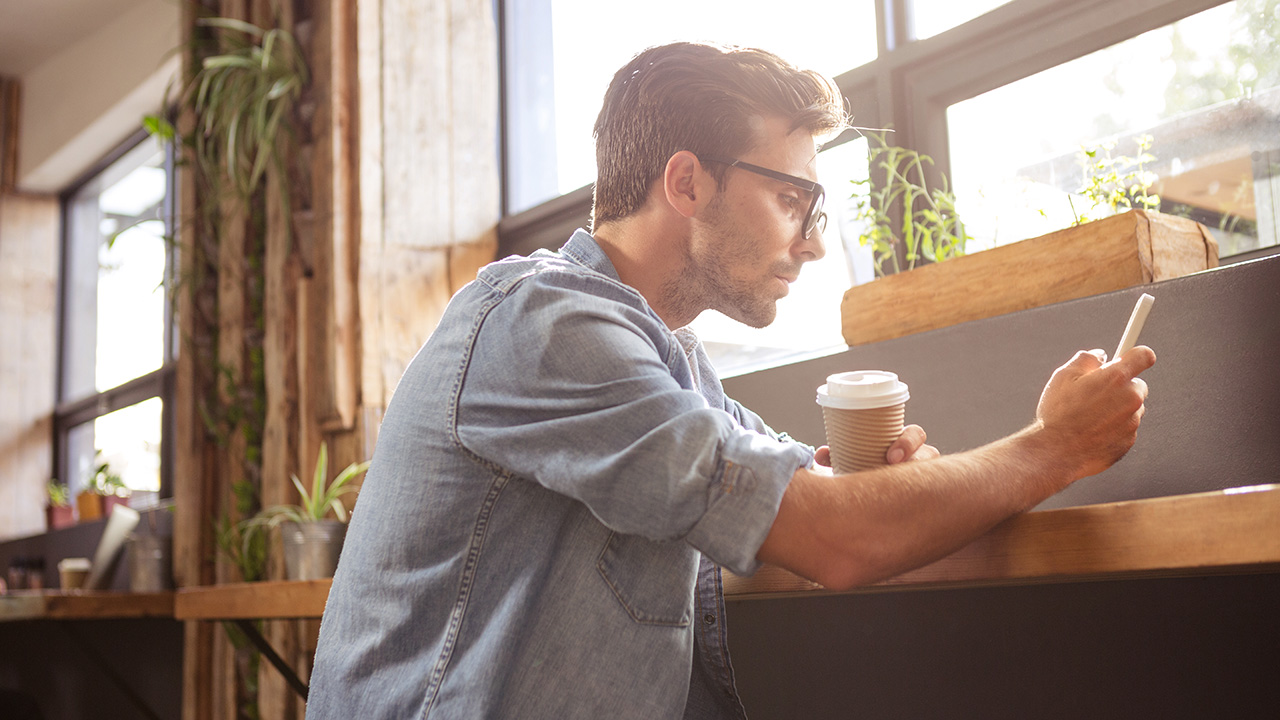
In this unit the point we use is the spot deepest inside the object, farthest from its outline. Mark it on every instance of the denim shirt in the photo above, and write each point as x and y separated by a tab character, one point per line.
557	480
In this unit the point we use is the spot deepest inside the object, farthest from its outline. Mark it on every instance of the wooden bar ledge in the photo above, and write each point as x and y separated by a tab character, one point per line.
1227	531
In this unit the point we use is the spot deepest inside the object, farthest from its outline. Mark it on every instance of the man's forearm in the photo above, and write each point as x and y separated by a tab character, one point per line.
848	530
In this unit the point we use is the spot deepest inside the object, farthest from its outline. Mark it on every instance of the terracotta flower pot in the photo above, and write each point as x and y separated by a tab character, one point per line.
58	516
89	505
110	501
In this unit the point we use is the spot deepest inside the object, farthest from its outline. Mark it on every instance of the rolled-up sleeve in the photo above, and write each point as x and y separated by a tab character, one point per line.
573	384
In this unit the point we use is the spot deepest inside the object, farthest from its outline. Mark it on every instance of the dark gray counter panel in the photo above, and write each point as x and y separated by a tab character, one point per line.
1213	418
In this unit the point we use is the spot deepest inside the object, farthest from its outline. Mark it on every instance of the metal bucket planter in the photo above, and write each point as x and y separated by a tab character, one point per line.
311	549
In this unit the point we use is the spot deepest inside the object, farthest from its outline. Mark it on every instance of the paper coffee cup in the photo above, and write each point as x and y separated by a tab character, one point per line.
863	412
73	572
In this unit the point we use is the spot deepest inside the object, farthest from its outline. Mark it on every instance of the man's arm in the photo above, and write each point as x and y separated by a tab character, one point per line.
848	530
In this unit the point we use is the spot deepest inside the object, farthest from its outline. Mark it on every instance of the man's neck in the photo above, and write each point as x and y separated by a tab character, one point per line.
648	257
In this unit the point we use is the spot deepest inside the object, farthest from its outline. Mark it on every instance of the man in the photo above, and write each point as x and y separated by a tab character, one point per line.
559	476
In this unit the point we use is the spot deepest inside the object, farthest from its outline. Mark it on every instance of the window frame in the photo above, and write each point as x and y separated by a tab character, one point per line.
70	413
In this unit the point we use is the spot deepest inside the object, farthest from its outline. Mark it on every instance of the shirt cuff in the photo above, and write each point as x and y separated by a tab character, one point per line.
751	476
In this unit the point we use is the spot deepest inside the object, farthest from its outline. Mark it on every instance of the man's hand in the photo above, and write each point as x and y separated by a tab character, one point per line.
910	445
1091	408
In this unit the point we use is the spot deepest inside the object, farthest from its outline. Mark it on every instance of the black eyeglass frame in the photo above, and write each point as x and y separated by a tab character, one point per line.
814	217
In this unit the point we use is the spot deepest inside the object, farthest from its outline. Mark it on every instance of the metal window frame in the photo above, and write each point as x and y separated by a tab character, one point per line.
69	413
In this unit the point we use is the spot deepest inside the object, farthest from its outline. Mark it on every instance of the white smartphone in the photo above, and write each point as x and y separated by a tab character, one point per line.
1136	321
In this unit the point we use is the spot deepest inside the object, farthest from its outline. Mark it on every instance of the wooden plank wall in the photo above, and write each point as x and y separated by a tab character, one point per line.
395	207
29	227
428	75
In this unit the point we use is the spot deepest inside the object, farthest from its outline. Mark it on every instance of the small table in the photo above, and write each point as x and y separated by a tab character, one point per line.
25	605
240	603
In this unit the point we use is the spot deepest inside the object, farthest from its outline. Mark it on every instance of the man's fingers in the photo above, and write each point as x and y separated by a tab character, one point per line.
926	452
1091	359
1135	361
912	439
1085	361
822	456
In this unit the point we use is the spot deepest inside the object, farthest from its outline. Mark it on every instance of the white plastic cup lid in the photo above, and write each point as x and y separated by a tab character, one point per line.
862	390
74	564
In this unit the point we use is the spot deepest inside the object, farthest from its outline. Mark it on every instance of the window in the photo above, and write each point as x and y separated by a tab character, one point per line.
1001	95
561	55
1204	92
116	343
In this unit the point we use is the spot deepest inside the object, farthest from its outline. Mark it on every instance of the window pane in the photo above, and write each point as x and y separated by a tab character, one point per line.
560	59
129	442
931	17
808	318
1207	92
115	269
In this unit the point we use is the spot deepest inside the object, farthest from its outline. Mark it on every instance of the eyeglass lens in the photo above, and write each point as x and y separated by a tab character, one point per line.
816	218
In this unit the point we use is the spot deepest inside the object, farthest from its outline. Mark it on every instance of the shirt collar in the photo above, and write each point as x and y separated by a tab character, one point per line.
583	249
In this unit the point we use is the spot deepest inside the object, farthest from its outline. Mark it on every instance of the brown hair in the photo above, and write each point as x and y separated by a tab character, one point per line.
701	98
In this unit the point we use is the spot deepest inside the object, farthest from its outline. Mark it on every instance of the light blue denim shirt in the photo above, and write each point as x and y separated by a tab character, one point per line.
556	478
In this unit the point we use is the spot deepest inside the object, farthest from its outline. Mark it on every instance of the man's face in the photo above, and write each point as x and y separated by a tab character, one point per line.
750	245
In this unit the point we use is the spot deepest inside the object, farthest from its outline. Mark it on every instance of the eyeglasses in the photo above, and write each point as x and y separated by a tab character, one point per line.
814	217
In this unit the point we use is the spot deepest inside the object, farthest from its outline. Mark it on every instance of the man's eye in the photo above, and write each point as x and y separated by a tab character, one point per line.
791	201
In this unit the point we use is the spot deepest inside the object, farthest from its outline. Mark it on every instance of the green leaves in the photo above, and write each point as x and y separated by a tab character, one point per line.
1117	182
904	212
316	501
59	494
159	127
241	97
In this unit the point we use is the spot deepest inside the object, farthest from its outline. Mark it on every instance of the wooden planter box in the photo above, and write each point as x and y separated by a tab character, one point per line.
1121	251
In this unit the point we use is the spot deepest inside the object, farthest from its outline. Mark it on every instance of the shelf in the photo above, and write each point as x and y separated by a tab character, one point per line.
269	600
56	605
1228	531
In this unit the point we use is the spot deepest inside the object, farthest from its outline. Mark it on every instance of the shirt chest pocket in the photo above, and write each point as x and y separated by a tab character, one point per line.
654	581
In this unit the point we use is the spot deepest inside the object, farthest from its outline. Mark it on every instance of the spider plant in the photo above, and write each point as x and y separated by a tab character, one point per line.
317	501
242	100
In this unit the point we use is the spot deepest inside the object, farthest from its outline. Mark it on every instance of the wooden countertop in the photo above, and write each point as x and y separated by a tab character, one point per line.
1227	531
1222	532
275	599
57	605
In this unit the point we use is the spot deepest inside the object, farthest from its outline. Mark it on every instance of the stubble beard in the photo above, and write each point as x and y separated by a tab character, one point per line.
706	282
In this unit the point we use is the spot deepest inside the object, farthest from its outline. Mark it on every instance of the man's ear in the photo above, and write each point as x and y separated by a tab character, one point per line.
686	184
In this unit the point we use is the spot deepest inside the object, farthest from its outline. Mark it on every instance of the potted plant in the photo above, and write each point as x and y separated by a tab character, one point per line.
58	513
311	539
109	486
1127	249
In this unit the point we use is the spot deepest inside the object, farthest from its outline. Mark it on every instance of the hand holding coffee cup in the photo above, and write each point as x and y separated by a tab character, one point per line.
864	413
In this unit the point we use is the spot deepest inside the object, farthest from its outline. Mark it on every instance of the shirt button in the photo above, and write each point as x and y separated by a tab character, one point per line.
709	619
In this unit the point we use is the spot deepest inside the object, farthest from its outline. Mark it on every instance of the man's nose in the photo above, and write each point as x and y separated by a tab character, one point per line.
812	247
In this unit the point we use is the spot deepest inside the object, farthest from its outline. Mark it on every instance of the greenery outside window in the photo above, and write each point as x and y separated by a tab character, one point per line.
1203	92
